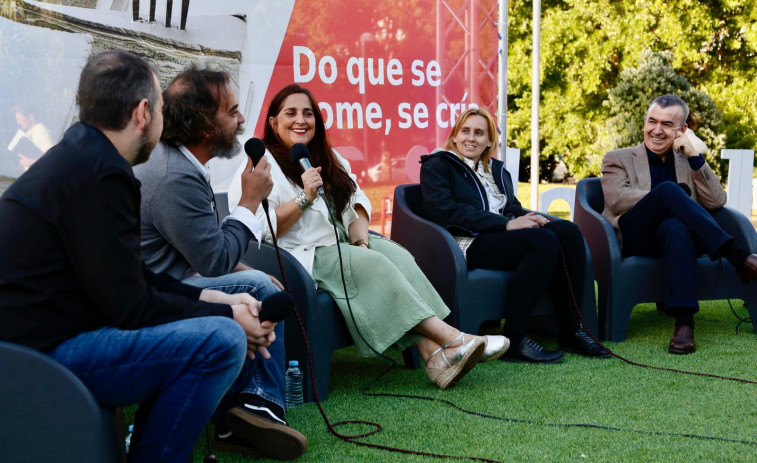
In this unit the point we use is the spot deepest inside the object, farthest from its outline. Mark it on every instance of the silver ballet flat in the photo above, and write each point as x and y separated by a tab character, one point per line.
466	356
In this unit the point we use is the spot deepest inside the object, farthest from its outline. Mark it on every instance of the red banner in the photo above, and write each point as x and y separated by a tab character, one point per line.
390	76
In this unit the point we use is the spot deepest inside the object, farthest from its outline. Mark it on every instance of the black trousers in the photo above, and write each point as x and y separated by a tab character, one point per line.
667	223
534	255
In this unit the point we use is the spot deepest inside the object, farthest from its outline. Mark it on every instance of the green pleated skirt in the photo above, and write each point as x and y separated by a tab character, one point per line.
388	293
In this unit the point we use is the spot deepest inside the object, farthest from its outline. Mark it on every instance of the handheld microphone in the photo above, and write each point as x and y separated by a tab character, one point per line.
255	149
300	153
276	307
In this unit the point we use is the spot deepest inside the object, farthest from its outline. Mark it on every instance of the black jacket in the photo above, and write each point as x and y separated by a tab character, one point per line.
69	249
454	197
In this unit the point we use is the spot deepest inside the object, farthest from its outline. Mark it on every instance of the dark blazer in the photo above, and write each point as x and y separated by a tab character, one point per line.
69	241
454	197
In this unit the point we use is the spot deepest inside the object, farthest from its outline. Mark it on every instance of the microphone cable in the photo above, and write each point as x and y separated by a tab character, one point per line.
352	438
631	362
255	152
211	456
520	420
331	427
572	425
741	320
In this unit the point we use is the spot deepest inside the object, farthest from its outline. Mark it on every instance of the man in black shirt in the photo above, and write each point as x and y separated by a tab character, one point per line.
73	285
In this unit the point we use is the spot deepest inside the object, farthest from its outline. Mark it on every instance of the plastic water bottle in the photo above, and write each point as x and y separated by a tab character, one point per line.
128	438
293	385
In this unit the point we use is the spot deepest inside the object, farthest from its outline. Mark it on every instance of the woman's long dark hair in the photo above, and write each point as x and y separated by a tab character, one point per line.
337	184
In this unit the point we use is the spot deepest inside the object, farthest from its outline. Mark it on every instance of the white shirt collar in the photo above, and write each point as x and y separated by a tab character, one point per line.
203	169
472	164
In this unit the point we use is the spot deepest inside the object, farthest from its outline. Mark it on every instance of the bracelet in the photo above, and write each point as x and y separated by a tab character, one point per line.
302	201
361	242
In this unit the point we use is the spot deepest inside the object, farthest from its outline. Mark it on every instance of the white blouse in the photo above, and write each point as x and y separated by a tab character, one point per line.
313	229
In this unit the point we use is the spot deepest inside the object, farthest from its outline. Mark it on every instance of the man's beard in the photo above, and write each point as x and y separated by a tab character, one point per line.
143	154
226	146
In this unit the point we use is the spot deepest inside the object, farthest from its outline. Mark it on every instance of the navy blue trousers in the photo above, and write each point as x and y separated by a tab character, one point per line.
667	223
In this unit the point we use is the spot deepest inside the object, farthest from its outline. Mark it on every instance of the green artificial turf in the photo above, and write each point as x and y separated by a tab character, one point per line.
606	392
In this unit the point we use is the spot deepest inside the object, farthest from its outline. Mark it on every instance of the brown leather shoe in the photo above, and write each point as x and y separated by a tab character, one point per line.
749	268
682	341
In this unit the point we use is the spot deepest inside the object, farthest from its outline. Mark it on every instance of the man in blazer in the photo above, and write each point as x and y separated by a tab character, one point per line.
181	235
657	195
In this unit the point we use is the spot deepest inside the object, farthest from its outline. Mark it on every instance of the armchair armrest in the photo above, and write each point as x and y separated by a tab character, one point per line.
599	234
434	248
738	226
301	284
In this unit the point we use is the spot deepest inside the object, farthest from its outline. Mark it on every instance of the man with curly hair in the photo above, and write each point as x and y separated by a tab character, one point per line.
182	235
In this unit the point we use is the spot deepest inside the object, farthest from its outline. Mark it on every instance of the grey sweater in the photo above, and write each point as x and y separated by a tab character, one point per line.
180	232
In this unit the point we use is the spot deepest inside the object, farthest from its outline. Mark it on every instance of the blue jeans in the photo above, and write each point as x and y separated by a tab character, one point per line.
260	377
178	372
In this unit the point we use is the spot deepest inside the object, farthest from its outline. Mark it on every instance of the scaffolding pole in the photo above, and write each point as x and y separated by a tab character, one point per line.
469	18
535	90
502	82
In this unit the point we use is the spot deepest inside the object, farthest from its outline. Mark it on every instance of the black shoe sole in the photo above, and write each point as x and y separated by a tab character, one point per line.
506	358
220	444
583	353
274	440
680	351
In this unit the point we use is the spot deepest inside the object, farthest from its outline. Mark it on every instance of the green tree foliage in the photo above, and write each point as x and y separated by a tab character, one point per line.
707	49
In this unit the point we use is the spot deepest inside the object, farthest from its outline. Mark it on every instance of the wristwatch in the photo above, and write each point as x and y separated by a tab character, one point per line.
360	242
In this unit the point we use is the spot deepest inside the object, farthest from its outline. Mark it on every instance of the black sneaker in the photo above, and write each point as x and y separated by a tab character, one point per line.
580	342
269	434
528	350
227	441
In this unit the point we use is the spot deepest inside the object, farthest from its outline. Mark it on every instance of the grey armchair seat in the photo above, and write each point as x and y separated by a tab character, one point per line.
323	322
473	296
49	415
625	282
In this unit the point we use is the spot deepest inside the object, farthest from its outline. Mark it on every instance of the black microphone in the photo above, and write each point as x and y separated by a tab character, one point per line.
255	149
300	153
276	307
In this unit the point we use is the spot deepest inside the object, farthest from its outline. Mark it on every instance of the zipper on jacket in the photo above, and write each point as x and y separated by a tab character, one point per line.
504	189
479	187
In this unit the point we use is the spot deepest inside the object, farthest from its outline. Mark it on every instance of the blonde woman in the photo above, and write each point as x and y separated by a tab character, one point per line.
470	193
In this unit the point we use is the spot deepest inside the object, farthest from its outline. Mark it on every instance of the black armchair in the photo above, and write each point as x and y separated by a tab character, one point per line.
624	282
49	415
473	296
323	322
